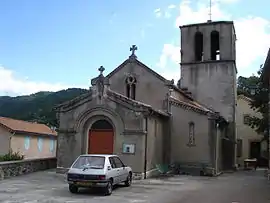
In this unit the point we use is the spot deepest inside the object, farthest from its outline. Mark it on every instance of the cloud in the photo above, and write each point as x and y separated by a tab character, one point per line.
166	13
251	45
157	12
172	6
12	85
170	52
188	15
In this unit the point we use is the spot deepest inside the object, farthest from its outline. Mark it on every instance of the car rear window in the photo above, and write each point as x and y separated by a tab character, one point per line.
90	162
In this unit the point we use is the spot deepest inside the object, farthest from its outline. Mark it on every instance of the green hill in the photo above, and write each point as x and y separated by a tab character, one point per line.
37	107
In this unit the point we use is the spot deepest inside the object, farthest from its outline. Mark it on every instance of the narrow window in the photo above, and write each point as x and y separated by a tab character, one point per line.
40	143
191	140
133	91
27	142
198	46
131	87
128	90
215	49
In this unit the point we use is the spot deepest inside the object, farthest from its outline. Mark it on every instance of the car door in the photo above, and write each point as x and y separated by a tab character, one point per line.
114	172
121	169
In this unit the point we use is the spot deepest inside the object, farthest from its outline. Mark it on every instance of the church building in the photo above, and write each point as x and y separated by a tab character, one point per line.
136	113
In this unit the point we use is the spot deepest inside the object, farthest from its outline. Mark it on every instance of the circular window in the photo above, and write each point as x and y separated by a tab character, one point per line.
131	80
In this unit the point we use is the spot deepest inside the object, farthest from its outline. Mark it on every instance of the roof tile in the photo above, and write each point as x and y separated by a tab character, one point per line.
24	126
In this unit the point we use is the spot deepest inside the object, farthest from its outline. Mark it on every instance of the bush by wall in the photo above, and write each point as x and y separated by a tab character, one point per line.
12	156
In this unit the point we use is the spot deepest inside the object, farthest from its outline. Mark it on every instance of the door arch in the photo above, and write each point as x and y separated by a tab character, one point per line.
101	138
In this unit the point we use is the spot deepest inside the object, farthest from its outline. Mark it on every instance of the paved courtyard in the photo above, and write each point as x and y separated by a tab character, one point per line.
242	187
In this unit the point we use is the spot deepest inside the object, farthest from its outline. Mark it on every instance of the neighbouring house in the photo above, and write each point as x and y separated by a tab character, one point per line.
250	144
33	140
266	82
136	113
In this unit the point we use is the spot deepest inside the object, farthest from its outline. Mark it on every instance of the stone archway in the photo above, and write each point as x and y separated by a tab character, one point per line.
101	137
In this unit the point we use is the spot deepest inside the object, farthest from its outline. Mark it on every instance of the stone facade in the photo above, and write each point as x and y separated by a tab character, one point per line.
246	134
211	76
15	168
163	121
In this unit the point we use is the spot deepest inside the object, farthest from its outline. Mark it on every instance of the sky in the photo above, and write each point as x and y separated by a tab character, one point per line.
52	45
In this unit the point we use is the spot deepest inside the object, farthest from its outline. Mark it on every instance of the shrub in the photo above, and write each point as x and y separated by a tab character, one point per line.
12	156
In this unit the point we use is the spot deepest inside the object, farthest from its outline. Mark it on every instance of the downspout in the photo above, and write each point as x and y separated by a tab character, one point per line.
145	146
10	137
217	148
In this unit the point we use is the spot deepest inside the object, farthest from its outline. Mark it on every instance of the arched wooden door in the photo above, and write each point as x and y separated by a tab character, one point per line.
101	138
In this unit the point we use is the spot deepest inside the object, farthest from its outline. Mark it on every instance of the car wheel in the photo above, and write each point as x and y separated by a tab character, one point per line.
109	188
73	188
128	181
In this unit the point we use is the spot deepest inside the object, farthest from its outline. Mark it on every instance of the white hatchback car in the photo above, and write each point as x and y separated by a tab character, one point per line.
98	170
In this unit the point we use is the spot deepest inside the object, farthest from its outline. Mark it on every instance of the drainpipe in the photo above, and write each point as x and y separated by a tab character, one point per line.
145	146
10	137
217	147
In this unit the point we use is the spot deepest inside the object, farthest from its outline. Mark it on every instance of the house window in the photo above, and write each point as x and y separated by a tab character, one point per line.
131	87
52	145
239	147
40	143
246	118
27	142
191	136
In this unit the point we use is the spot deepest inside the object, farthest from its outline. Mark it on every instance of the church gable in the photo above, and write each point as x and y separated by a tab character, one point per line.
99	93
138	82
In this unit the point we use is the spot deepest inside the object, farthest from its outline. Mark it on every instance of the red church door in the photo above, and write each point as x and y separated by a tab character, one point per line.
101	138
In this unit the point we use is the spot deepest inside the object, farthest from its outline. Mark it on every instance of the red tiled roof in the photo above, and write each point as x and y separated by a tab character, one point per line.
28	127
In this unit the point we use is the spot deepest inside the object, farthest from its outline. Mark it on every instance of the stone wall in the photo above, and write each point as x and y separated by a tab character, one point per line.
16	168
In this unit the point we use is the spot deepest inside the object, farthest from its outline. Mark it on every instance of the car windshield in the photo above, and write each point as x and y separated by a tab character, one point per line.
89	162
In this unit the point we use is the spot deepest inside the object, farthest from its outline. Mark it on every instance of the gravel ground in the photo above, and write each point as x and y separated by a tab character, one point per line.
47	186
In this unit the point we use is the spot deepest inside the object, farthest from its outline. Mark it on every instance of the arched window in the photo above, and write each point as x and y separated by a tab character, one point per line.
198	49
131	87
102	125
191	136
215	49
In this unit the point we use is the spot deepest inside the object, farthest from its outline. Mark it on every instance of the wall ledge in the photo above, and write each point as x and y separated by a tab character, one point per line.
16	168
25	160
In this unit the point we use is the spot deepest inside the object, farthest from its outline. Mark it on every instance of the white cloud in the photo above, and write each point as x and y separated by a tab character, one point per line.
189	16
12	85
169	52
251	45
172	6
157	12
166	13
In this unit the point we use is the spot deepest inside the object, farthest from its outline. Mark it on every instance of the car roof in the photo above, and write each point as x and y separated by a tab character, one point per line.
103	155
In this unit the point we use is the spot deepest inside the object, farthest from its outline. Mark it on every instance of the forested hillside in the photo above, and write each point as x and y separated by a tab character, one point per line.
37	107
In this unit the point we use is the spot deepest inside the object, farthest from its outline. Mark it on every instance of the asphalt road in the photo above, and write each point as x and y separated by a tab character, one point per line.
49	187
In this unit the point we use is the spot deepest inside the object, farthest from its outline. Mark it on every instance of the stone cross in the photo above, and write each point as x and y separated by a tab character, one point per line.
101	69
133	48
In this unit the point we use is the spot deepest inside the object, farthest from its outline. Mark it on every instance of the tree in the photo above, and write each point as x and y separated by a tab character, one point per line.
246	86
260	104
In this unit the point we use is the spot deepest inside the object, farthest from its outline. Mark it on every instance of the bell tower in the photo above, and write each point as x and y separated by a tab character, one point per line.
208	68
